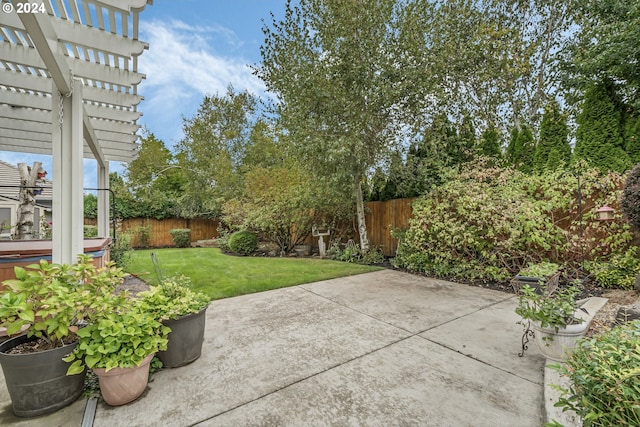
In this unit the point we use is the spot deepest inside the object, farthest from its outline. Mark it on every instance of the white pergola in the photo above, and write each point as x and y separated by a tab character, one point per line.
68	88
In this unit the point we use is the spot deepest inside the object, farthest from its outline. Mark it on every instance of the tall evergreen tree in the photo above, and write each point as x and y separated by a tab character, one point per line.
520	150
553	147
632	137
490	144
599	138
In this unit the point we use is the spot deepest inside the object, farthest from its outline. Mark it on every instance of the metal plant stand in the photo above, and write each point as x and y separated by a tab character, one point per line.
528	333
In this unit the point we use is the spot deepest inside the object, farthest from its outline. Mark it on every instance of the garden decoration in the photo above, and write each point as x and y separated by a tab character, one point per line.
320	235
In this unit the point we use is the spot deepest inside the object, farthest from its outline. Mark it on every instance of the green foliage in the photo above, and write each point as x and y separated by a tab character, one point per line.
521	149
607	43
154	179
172	299
243	242
549	311
56	299
619	271
553	148
486	224
213	151
90	231
599	138
335	71
120	251
603	372
143	233
352	253
490	144
90	206
632	136
277	204
630	201
120	336
181	237
540	269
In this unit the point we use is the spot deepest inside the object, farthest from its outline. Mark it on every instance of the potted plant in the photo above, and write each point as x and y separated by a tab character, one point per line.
554	317
184	312
118	345
52	301
536	276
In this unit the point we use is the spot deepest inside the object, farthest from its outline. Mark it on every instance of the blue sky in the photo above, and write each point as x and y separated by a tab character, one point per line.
197	48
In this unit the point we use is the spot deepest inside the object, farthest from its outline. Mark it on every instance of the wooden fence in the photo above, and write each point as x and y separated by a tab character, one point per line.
382	218
158	230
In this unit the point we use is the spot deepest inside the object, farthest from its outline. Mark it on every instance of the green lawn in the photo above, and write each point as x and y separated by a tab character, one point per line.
221	276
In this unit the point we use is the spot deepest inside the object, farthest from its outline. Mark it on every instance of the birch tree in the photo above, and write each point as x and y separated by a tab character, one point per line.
29	176
339	71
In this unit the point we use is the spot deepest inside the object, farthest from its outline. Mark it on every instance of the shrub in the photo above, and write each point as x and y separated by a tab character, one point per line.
143	233
630	202
181	237
121	251
604	374
619	272
243	242
486	225
90	231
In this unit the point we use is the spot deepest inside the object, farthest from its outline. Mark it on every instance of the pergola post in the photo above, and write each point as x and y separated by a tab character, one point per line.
103	200
67	143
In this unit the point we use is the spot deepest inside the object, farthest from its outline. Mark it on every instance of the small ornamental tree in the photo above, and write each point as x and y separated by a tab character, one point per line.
630	201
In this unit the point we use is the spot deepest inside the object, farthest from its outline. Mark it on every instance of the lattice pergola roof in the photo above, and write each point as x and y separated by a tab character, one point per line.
94	42
68	87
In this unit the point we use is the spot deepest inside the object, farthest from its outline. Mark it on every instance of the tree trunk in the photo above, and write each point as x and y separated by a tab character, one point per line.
362	226
27	202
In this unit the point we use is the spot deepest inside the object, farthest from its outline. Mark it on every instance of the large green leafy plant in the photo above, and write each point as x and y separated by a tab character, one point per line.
54	300
122	335
604	389
555	310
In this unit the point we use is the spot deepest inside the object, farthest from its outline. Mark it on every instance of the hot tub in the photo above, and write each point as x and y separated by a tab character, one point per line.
25	252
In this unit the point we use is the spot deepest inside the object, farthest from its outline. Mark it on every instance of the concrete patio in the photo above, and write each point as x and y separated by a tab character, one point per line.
379	349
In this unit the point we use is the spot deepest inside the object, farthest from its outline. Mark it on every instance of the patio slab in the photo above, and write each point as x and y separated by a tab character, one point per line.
383	348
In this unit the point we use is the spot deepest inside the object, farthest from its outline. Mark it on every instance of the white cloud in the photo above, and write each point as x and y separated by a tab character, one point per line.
183	64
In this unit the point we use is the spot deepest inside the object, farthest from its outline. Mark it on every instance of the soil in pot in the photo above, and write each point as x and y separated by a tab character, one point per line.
37	382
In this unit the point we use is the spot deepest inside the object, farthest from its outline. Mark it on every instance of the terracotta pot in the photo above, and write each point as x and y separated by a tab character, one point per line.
558	345
120	386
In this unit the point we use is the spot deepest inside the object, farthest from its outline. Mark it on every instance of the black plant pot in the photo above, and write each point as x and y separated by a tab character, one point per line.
37	382
534	282
185	339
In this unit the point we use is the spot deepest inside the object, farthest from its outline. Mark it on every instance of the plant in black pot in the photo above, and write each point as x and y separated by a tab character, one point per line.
53	302
118	345
537	276
555	318
183	310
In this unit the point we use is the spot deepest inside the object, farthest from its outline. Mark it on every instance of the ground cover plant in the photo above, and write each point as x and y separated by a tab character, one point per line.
220	276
